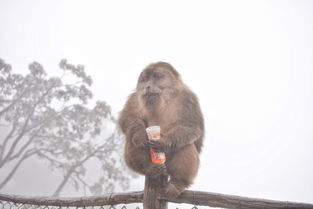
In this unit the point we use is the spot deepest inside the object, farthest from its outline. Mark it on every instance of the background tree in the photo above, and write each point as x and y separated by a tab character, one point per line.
50	118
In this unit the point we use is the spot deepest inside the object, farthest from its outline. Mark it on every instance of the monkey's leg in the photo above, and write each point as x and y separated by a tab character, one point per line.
182	168
155	170
139	160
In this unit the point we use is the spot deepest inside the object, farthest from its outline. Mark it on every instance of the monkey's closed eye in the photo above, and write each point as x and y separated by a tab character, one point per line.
143	78
157	76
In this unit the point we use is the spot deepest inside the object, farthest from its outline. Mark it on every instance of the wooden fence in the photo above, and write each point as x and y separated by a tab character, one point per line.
152	198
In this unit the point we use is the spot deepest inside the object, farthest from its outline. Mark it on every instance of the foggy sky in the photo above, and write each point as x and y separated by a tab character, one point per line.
249	62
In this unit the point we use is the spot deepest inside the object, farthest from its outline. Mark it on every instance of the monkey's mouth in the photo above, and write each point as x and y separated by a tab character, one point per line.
151	94
151	98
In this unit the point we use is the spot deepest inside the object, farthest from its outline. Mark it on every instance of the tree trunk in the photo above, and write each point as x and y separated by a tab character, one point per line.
64	181
152	192
13	171
70	172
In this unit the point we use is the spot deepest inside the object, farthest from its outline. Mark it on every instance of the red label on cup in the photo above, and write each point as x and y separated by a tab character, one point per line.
155	136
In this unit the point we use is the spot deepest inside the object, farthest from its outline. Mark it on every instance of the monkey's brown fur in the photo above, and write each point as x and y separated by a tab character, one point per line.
162	99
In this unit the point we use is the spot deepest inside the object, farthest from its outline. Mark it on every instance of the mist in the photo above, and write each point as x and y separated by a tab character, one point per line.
249	62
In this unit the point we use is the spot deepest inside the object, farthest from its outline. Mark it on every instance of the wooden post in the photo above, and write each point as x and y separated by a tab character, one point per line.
152	191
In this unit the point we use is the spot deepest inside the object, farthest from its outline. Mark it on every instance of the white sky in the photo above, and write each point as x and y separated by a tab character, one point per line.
249	62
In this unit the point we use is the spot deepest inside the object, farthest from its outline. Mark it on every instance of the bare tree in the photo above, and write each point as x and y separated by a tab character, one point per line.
50	118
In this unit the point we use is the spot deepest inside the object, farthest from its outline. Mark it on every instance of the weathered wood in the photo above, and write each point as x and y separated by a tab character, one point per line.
112	199
190	197
152	193
234	202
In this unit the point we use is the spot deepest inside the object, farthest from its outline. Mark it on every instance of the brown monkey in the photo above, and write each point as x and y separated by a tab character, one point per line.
162	99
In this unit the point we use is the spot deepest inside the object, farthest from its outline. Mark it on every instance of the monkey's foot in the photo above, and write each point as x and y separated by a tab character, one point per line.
156	170
173	191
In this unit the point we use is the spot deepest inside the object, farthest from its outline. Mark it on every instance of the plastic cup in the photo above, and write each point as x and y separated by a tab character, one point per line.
154	133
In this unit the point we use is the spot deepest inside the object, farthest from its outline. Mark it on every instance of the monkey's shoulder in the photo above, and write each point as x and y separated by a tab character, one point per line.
189	110
132	101
132	97
131	107
188	99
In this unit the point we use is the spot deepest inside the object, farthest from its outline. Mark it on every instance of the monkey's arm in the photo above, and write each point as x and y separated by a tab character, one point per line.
132	125
188	129
179	137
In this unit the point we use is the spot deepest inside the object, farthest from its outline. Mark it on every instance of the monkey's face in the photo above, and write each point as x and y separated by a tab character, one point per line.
154	82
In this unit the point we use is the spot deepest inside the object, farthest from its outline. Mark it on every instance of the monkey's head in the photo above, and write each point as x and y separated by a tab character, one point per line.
157	82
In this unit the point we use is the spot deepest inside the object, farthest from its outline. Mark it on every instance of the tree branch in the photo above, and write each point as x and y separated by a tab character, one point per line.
63	182
23	148
85	185
10	175
6	100
7	138
49	158
23	131
52	151
73	168
13	102
41	123
18	138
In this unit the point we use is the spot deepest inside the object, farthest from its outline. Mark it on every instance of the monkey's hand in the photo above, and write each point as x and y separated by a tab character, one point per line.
159	146
140	140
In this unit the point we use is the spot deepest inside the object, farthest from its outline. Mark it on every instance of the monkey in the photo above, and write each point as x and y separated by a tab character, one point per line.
162	98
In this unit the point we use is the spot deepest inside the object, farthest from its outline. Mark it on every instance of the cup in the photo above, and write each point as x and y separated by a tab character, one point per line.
154	133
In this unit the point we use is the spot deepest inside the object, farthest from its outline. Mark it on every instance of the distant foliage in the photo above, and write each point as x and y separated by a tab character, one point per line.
50	118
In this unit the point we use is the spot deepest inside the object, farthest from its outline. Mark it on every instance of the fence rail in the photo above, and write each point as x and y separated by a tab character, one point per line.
190	197
92	201
234	202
